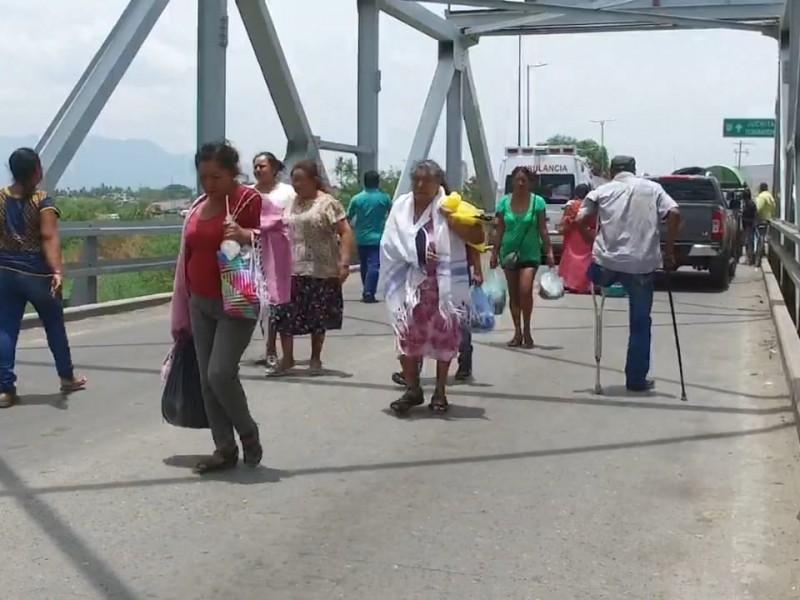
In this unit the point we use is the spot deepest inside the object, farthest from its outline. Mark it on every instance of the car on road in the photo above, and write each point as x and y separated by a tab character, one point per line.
709	227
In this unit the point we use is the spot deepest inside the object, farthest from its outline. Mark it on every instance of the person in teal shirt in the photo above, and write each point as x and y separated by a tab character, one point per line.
521	241
367	214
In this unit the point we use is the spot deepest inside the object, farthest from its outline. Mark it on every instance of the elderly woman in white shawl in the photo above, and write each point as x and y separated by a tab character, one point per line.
426	277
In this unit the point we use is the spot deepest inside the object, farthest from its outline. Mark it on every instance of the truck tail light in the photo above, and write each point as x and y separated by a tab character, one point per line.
717	225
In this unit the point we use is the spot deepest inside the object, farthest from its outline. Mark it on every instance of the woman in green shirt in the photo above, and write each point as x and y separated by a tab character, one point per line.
520	240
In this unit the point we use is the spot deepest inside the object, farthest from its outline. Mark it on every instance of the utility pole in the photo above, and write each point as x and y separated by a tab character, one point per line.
739	150
519	90
602	123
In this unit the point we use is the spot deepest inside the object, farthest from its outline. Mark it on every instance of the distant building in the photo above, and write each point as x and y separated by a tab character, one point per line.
756	174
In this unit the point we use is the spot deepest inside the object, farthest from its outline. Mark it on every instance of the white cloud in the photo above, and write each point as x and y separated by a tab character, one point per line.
669	91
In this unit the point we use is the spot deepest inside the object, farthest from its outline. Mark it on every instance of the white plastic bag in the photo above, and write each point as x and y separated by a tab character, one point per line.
551	286
495	289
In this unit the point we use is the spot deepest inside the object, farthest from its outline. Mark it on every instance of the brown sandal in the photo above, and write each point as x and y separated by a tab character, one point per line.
515	342
76	384
439	403
221	460
407	401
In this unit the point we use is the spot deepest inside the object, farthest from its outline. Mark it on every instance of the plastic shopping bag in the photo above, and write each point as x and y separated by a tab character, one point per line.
495	289
182	399
615	291
238	277
481	314
551	286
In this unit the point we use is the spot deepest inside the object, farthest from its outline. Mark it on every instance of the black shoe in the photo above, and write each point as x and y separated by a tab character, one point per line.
463	374
648	385
399	379
369	300
252	449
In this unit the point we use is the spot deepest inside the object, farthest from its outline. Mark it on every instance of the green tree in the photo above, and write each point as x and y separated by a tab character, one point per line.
346	182
177	192
595	154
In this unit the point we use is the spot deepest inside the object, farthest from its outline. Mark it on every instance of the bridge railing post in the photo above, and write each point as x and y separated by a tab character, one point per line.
84	289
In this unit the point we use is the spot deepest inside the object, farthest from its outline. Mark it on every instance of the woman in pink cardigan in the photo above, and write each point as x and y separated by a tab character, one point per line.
197	309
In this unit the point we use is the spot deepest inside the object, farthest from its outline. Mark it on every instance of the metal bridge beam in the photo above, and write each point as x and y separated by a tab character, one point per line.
369	85
454	121
476	137
429	119
212	46
500	17
301	143
68	130
792	162
778	157
73	121
81	81
420	18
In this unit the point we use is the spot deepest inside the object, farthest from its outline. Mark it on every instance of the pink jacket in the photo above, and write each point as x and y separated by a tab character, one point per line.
276	262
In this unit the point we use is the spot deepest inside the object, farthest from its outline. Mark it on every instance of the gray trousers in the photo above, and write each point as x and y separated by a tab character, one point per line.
220	342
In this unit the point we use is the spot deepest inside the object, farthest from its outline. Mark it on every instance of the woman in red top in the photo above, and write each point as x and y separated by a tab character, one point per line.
219	339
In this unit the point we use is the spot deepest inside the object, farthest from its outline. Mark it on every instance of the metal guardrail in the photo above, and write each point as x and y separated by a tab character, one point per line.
783	253
85	272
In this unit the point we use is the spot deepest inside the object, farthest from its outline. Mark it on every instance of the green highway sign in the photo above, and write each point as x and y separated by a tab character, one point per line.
748	128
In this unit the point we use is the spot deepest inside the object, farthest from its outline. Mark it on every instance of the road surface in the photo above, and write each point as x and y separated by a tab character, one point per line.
531	488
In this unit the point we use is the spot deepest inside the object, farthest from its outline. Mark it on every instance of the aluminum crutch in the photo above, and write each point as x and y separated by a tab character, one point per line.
598	335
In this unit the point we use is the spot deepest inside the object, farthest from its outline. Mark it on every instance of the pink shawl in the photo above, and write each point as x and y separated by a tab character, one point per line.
276	264
276	253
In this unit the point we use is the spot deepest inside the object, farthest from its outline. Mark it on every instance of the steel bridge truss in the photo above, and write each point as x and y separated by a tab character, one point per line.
787	157
452	88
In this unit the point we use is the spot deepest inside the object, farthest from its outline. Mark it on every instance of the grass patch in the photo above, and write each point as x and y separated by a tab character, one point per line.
123	285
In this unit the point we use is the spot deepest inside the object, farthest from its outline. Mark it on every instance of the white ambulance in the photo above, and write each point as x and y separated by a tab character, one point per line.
559	170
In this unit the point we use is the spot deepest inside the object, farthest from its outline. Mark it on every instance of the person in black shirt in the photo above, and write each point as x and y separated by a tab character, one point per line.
749	224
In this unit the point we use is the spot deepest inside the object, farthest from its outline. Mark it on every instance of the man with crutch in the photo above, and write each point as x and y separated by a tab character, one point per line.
627	250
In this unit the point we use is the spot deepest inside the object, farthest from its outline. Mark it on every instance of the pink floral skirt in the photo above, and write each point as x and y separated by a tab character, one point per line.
429	333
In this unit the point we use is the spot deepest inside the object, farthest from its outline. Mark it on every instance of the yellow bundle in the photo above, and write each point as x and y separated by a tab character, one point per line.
466	214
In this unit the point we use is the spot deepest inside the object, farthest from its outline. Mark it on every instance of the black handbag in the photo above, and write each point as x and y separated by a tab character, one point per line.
182	402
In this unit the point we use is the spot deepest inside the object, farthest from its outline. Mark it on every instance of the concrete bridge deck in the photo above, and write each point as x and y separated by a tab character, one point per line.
531	488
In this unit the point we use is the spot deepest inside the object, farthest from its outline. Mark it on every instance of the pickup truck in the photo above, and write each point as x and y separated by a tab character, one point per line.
709	228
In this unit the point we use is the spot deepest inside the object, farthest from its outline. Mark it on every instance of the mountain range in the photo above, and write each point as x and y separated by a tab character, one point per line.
114	162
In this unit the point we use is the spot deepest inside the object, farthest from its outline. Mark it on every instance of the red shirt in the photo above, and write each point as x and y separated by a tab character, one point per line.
204	237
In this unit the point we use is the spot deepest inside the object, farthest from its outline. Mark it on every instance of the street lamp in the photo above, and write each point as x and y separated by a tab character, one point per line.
528	99
519	90
602	123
